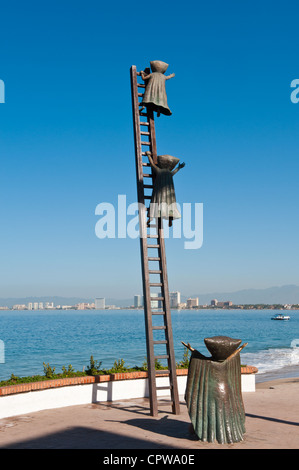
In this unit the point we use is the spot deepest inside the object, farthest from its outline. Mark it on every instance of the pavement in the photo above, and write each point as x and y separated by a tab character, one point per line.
272	422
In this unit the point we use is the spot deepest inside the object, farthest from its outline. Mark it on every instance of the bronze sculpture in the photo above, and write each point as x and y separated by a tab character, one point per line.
213	392
155	97
163	201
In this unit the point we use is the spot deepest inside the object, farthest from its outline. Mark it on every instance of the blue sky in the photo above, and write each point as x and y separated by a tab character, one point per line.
66	142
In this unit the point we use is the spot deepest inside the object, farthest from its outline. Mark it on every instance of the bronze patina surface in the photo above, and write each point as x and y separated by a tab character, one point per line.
213	392
155	98
163	202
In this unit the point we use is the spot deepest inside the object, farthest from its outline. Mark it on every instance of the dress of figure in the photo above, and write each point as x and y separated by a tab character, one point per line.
155	97
163	201
213	392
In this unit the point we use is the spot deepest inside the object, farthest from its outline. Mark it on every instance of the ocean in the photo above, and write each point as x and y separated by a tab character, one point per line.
30	338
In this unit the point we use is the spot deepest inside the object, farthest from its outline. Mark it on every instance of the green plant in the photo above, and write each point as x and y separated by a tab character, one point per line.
94	367
158	365
118	366
68	372
48	371
184	363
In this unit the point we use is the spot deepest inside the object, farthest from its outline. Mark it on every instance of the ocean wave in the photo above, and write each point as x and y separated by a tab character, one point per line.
272	359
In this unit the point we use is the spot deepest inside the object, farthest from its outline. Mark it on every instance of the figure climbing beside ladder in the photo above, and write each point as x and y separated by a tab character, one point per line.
163	201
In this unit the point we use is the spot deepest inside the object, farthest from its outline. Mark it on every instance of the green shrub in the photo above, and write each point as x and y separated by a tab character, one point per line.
118	366
48	371
184	363
94	367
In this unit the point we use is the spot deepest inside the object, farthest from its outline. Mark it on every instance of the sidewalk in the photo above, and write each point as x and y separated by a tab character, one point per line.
272	422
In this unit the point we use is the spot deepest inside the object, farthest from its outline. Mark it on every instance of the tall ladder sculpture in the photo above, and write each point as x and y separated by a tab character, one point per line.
153	257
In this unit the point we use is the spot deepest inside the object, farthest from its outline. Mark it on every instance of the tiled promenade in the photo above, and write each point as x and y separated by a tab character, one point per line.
272	422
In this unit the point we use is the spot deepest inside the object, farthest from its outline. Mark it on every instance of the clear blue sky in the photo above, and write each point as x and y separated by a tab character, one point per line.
66	141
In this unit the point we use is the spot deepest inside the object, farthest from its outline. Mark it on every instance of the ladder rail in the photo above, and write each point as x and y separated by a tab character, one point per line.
160	256
143	243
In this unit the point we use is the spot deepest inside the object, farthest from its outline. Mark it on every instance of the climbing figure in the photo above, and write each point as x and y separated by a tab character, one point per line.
155	97
163	201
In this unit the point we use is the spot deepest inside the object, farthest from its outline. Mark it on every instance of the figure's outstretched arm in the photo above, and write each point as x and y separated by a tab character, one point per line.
236	352
194	352
170	76
143	76
181	165
149	154
188	346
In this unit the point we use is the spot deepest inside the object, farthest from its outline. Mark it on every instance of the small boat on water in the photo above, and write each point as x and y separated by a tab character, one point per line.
280	316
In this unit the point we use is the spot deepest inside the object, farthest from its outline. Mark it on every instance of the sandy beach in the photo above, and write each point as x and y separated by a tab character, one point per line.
272	422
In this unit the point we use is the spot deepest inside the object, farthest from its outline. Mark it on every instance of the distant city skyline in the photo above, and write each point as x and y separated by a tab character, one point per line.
284	295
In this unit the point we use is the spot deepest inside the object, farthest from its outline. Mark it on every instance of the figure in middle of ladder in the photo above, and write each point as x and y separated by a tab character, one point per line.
155	97
163	201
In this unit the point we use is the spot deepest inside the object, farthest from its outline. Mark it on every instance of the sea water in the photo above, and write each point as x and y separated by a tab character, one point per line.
60	338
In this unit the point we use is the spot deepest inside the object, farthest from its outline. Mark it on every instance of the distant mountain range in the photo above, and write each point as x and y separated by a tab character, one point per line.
288	294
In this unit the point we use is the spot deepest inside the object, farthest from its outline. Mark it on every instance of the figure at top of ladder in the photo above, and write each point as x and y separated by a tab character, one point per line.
155	97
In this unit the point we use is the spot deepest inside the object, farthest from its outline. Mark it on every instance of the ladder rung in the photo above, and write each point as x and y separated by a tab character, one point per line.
158	313
145	143
162	356
157	298
141	85
146	164
166	387
159	327
151	236
144	133
140	94
153	258
147	175
144	123
143	114
163	341
148	186
147	197
153	271
156	284
153	246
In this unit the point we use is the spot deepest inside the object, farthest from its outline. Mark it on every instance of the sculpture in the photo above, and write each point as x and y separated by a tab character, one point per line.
213	392
163	201
155	97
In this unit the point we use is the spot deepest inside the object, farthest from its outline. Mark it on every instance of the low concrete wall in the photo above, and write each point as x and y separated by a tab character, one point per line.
31	399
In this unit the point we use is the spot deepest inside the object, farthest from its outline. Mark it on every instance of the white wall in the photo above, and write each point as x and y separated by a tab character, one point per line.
29	402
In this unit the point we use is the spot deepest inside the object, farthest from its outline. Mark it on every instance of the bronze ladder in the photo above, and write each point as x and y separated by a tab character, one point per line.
153	257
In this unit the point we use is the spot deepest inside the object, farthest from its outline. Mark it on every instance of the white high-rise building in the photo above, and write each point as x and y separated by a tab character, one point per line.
154	303
35	306
192	302
175	299
30	306
138	301
99	303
